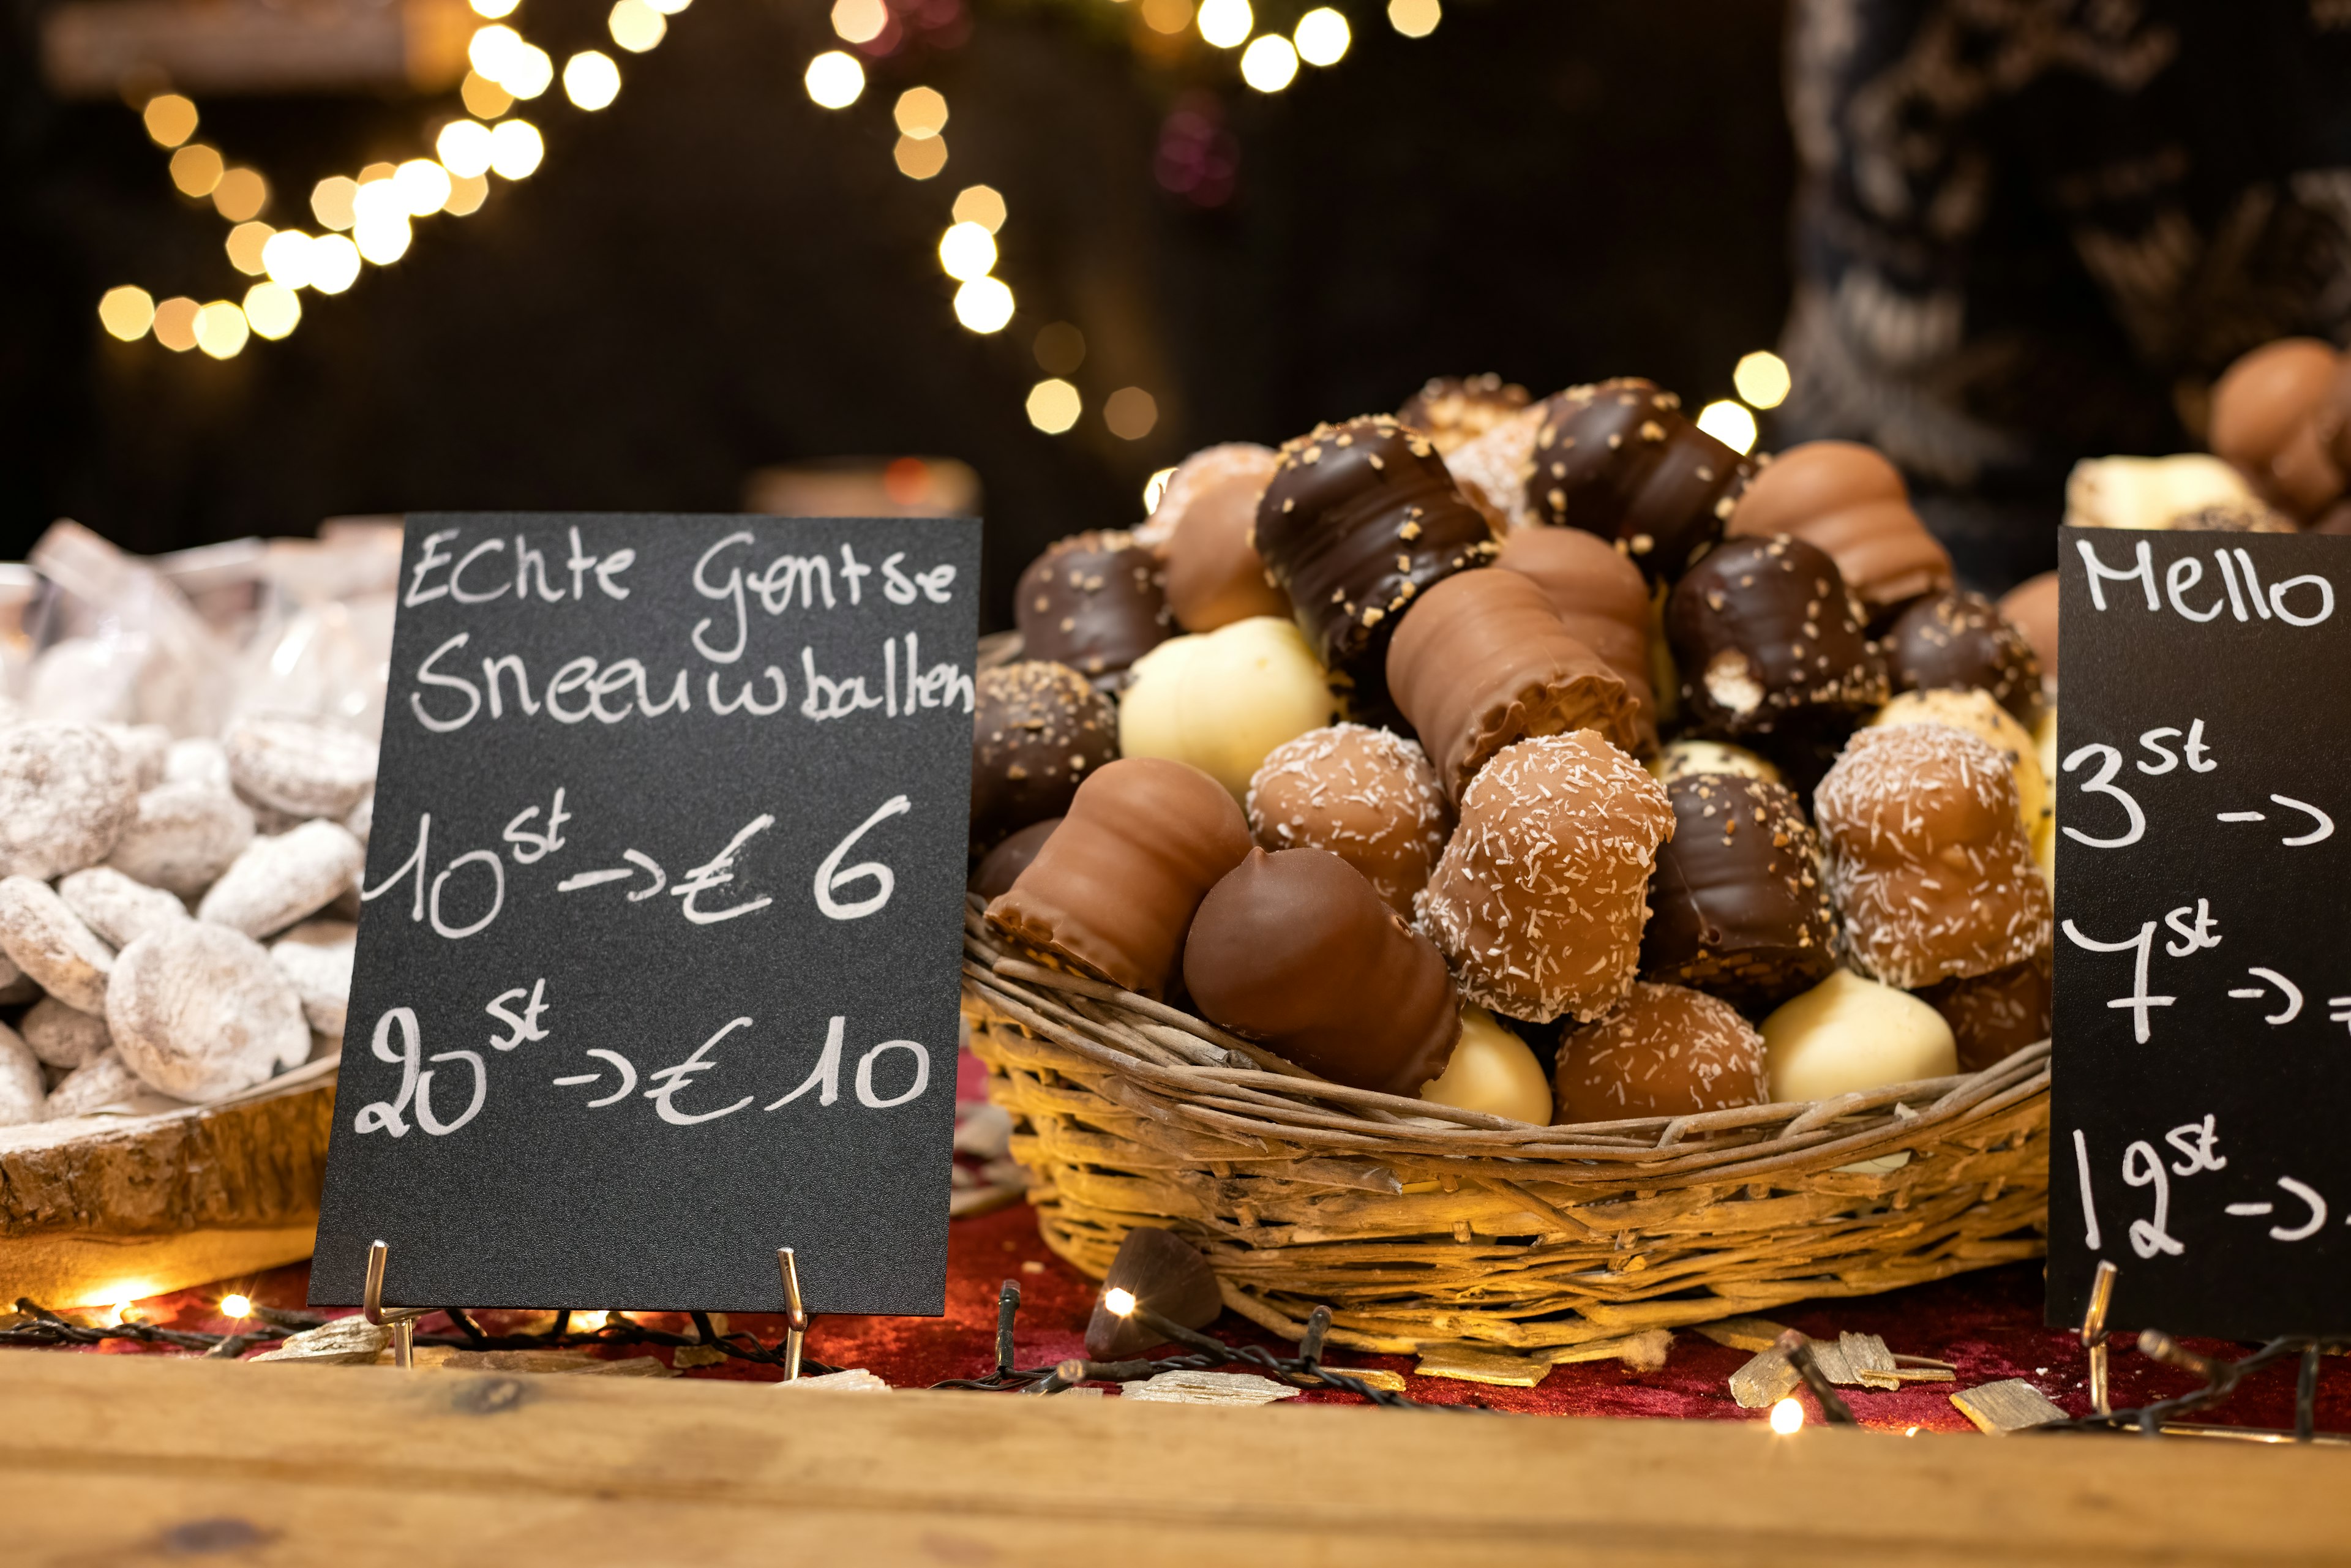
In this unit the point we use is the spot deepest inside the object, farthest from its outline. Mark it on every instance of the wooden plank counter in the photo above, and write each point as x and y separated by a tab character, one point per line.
120	1459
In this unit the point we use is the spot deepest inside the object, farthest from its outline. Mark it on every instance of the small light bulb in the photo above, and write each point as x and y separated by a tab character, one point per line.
220	332
1119	1301
1269	64
516	149
591	80
860	21
984	305
1728	422
237	1306
834	80
636	26
1786	1417
127	311
980	205
1054	407
967	251
1762	379
465	148
423	186
334	263
1225	23
1322	37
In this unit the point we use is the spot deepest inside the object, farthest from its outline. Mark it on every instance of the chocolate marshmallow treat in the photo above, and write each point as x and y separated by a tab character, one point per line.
1096	603
1994	1016
1037	730
1368	796
1738	905
1960	640
1602	599
1664	1051
2282	414
1452	411
1213	575
1620	459
1766	635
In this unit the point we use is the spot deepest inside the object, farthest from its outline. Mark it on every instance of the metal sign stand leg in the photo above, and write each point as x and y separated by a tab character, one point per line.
402	1321
2094	1334
796	1334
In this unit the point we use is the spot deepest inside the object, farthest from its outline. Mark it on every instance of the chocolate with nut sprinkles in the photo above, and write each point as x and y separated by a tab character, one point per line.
1095	602
1960	640
1456	409
1737	906
1359	520
1766	637
1620	459
1038	731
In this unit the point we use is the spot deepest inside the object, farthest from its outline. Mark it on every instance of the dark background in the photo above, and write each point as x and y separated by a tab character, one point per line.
714	274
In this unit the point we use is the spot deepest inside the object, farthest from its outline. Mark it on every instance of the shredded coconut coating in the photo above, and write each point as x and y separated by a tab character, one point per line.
1541	896
1368	796
1929	861
1664	1051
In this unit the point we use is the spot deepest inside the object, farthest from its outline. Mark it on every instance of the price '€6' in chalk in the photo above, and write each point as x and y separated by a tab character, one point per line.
659	961
2201	1107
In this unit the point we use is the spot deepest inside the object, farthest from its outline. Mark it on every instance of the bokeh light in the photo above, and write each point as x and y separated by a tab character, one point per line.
1787	1417
591	80
1132	414
669	7
423	187
169	120
1059	348
127	311
272	309
240	194
920	158
245	244
1762	379
491	50
286	258
334	263
1269	64
636	26
980	205
195	170
860	21
1728	422
834	80
1054	405
175	324
236	1305
1155	488
463	146
383	239
1169	16
984	305
466	194
516	149
920	112
967	251
1226	22
1322	37
494	9
222	330
1414	18
483	98
529	72
332	199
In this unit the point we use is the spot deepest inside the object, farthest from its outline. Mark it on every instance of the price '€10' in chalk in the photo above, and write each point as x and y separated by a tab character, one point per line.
2202	1072
659	961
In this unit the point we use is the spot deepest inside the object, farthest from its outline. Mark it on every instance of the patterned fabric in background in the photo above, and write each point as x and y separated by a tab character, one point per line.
2032	231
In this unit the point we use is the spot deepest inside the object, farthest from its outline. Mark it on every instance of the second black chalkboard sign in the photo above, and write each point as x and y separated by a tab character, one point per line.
659	963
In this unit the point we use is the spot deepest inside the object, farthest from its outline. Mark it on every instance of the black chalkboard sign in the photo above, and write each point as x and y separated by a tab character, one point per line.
2202	1031
659	961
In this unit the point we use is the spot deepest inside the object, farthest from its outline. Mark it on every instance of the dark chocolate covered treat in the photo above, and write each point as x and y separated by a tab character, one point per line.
1360	519
1037	730
1113	891
1456	409
1002	866
1600	598
1960	640
1765	635
1213	575
1847	500
1994	1016
1296	951
1738	906
1620	459
1096	603
1483	661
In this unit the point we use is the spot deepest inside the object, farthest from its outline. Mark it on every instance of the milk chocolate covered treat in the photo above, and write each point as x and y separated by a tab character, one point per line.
1850	501
1002	865
1960	640
1767	637
2282	414
1037	730
1994	1016
1113	889
1360	519
1621	460
1600	597
2031	608
1928	860
1483	661
1222	700
1491	470
1738	905
1540	897
1295	950
1664	1051
1215	576
1368	796
1492	1071
1455	410
1981	716
1096	603
1849	1034
1686	759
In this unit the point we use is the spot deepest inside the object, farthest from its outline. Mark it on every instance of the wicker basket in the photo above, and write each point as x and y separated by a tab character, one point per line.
1422	1226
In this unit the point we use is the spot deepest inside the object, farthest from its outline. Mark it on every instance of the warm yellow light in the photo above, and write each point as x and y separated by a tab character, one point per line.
170	119
529	72
382	240
374	171
378	202
1059	348
127	311
1054	405
334	263
1131	414
423	187
273	311
331	198
922	111
1155	488
286	258
636	26
237	1306
245	244
466	194
967	251
465	148
485	100
860	21
494	9
241	194
1169	16
984	305
492	49
1762	379
669	7
1119	1301
222	330
591	80
1414	18
919	158
980	205
1728	422
834	80
195	169
516	149
1225	23
588	1322
1322	37
1269	64
175	324
1787	1417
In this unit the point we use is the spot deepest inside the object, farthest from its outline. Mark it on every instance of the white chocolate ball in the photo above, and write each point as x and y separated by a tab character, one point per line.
1223	699
1491	1070
1848	1033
